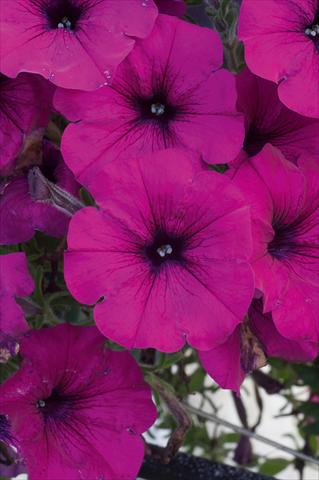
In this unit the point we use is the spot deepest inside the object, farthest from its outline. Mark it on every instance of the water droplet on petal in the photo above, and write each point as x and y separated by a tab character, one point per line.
81	474
107	74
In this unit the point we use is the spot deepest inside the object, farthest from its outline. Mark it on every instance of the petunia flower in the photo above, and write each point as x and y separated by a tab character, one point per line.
158	99
165	258
284	203
267	120
77	409
15	281
73	43
249	346
281	40
24	209
171	7
25	104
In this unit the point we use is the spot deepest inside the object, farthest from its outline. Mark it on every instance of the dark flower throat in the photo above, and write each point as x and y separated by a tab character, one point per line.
165	248
312	30
289	238
156	108
64	14
56	406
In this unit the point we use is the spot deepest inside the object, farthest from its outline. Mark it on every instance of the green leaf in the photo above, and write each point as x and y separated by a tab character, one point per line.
197	380
312	428
86	197
313	444
272	466
38	279
170	359
309	408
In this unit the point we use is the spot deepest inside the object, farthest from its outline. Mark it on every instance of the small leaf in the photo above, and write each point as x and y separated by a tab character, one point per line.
170	359
272	466
312	428
197	380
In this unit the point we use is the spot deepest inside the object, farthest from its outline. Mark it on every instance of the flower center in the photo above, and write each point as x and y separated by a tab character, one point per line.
63	14
55	407
283	243
298	238
164	248
312	31
158	109
65	23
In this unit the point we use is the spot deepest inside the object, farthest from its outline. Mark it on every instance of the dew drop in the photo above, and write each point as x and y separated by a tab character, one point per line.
81	474
71	370
40	403
107	74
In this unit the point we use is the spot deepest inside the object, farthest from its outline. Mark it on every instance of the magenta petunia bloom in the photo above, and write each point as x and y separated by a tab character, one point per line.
73	43
25	104
81	406
21	214
267	120
284	202
281	40
158	99
168	246
171	7
15	281
229	363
